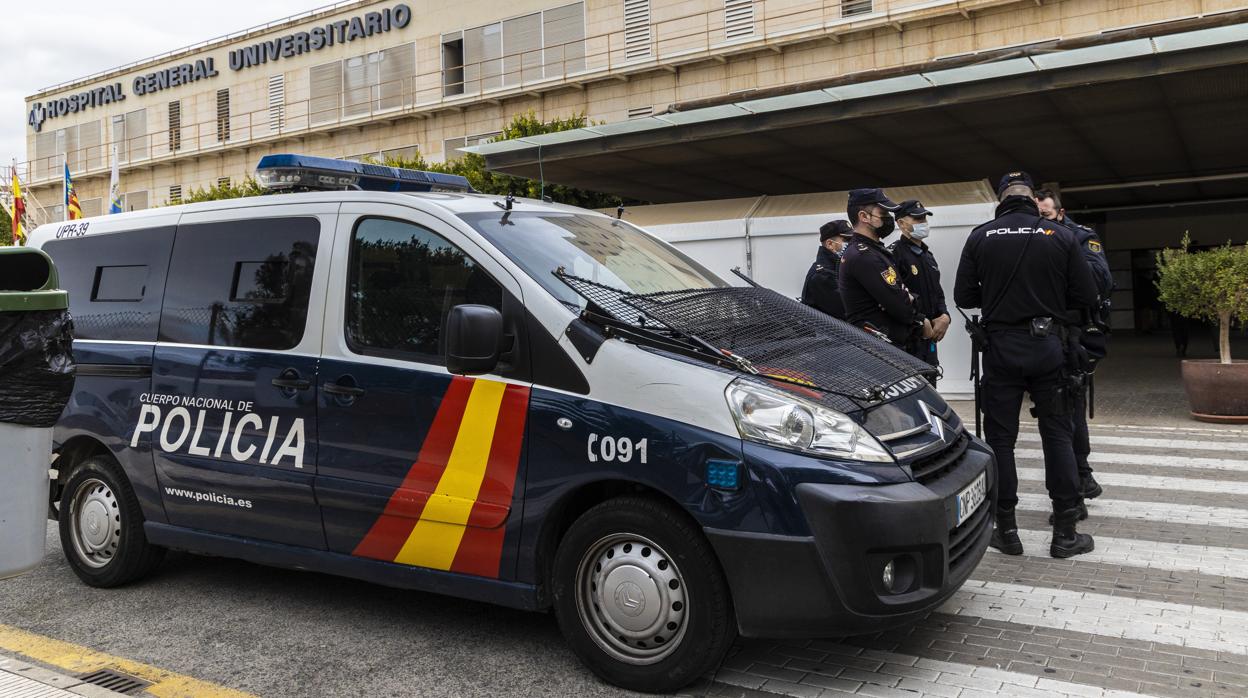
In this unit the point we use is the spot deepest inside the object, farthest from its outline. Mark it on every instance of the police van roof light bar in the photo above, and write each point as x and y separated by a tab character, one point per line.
306	172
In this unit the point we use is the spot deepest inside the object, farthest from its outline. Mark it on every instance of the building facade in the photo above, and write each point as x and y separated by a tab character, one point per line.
367	78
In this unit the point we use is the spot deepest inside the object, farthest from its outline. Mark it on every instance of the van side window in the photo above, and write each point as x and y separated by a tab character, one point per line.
114	281
403	281
241	283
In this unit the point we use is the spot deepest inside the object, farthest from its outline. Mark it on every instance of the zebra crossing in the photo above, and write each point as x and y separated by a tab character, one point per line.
1160	608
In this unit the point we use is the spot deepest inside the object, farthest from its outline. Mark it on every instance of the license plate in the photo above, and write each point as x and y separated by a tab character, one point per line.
969	499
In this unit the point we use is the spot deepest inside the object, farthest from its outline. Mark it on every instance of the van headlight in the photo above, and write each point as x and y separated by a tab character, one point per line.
777	418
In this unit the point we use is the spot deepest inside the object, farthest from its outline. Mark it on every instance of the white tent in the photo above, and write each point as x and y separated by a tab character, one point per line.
773	240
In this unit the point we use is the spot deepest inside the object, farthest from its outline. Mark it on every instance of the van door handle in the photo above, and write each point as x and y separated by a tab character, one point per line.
348	390
290	380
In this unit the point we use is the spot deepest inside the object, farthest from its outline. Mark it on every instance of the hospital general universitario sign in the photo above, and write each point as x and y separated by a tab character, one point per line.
287	46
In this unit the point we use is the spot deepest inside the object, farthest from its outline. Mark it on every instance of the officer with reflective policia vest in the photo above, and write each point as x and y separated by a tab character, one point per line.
1095	329
821	290
1028	275
917	266
875	298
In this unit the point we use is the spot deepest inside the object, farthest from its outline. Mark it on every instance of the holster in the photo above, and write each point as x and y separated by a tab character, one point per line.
979	334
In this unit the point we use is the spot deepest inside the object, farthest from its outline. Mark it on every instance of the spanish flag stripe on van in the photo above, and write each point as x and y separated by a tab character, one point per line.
482	547
388	534
437	535
450	512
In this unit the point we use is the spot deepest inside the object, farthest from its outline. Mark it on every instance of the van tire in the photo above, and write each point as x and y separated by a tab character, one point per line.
665	578
101	526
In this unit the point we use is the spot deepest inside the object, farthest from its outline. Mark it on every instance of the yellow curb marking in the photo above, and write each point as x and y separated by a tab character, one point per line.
77	659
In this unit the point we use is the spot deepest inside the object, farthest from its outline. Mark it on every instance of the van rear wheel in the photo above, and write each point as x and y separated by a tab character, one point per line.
101	526
641	597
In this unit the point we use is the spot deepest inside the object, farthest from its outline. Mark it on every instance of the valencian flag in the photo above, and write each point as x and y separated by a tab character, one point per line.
19	210
114	188
72	210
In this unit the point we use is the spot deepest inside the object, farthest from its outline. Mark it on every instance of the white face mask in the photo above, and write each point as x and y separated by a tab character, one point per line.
920	231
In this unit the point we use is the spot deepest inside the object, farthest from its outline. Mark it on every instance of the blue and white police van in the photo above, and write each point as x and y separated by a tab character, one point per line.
402	381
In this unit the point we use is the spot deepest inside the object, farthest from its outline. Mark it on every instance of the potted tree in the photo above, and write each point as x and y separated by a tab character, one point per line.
1210	285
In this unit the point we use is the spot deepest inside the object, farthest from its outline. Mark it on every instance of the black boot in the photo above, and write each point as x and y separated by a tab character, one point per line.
1005	534
1066	541
1083	514
1090	489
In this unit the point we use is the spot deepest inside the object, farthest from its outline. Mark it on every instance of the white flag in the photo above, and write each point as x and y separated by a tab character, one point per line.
114	188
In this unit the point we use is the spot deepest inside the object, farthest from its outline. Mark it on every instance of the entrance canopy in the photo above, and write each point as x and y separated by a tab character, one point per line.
1143	116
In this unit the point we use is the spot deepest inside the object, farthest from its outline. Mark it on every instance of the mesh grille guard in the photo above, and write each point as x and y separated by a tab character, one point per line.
759	331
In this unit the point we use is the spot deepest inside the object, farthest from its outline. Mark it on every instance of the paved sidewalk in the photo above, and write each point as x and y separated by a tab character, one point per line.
20	679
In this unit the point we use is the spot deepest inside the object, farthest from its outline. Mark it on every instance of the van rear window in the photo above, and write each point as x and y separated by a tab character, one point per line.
120	284
114	281
241	283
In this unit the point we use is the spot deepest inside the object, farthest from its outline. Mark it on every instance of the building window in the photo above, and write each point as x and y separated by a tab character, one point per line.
738	19
451	146
134	201
175	126
563	36
850	8
522	37
175	194
636	29
92	207
223	115
452	64
130	135
277	102
325	82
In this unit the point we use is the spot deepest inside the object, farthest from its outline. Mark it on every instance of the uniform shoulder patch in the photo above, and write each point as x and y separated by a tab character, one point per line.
890	276
1094	246
914	270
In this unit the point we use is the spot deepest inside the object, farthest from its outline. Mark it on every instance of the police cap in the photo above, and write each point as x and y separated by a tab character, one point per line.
866	197
913	208
1013	178
834	228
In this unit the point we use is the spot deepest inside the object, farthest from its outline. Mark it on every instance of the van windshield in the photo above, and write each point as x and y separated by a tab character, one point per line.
603	250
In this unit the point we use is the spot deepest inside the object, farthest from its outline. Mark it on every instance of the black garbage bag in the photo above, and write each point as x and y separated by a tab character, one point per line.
36	366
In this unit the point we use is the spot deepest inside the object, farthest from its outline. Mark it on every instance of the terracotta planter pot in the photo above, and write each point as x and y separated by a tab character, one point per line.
1217	392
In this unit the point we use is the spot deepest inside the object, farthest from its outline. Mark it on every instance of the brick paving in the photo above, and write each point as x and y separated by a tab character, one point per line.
1159	609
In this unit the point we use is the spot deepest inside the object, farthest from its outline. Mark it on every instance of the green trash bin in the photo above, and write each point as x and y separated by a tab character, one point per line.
36	380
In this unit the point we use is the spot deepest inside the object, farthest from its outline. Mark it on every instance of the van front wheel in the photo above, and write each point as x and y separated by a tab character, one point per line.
640	595
101	526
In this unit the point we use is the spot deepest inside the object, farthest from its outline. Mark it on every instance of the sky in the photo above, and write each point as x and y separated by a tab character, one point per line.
51	41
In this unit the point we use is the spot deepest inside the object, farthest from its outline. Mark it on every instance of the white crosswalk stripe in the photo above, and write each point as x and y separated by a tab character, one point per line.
1160	512
1214	629
1169	557
1179	444
1146	459
1152	482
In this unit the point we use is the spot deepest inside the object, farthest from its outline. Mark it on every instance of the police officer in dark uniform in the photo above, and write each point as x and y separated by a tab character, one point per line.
875	298
1028	275
1094	332
919	272
821	290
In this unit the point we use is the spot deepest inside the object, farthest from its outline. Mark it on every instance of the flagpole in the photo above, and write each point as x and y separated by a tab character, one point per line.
65	186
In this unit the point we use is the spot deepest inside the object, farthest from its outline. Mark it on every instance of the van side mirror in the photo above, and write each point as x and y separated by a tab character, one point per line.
473	336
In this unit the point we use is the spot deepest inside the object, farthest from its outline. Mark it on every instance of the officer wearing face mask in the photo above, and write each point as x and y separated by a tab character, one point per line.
875	298
919	272
821	289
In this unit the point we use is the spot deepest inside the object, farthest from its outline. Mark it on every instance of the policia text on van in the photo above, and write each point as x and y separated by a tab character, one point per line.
539	407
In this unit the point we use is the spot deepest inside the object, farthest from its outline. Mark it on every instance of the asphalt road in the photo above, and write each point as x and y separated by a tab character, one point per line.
277	633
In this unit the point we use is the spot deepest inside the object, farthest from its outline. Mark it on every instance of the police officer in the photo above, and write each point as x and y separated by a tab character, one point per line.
919	272
875	298
821	289
1028	274
1094	331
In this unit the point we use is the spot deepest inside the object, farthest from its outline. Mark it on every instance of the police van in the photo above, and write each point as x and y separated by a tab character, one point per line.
387	376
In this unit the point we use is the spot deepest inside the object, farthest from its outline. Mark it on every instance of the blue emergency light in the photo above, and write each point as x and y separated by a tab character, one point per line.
288	171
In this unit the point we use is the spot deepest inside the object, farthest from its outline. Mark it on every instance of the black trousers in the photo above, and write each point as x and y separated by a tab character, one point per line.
1017	363
1082	443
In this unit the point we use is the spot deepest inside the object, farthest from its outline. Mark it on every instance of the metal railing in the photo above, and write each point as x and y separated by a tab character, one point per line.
688	38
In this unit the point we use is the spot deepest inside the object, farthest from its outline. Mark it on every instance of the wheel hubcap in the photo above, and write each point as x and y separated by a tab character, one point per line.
632	599
95	523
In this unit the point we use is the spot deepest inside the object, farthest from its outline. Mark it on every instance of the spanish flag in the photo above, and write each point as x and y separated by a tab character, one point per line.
72	210
19	210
